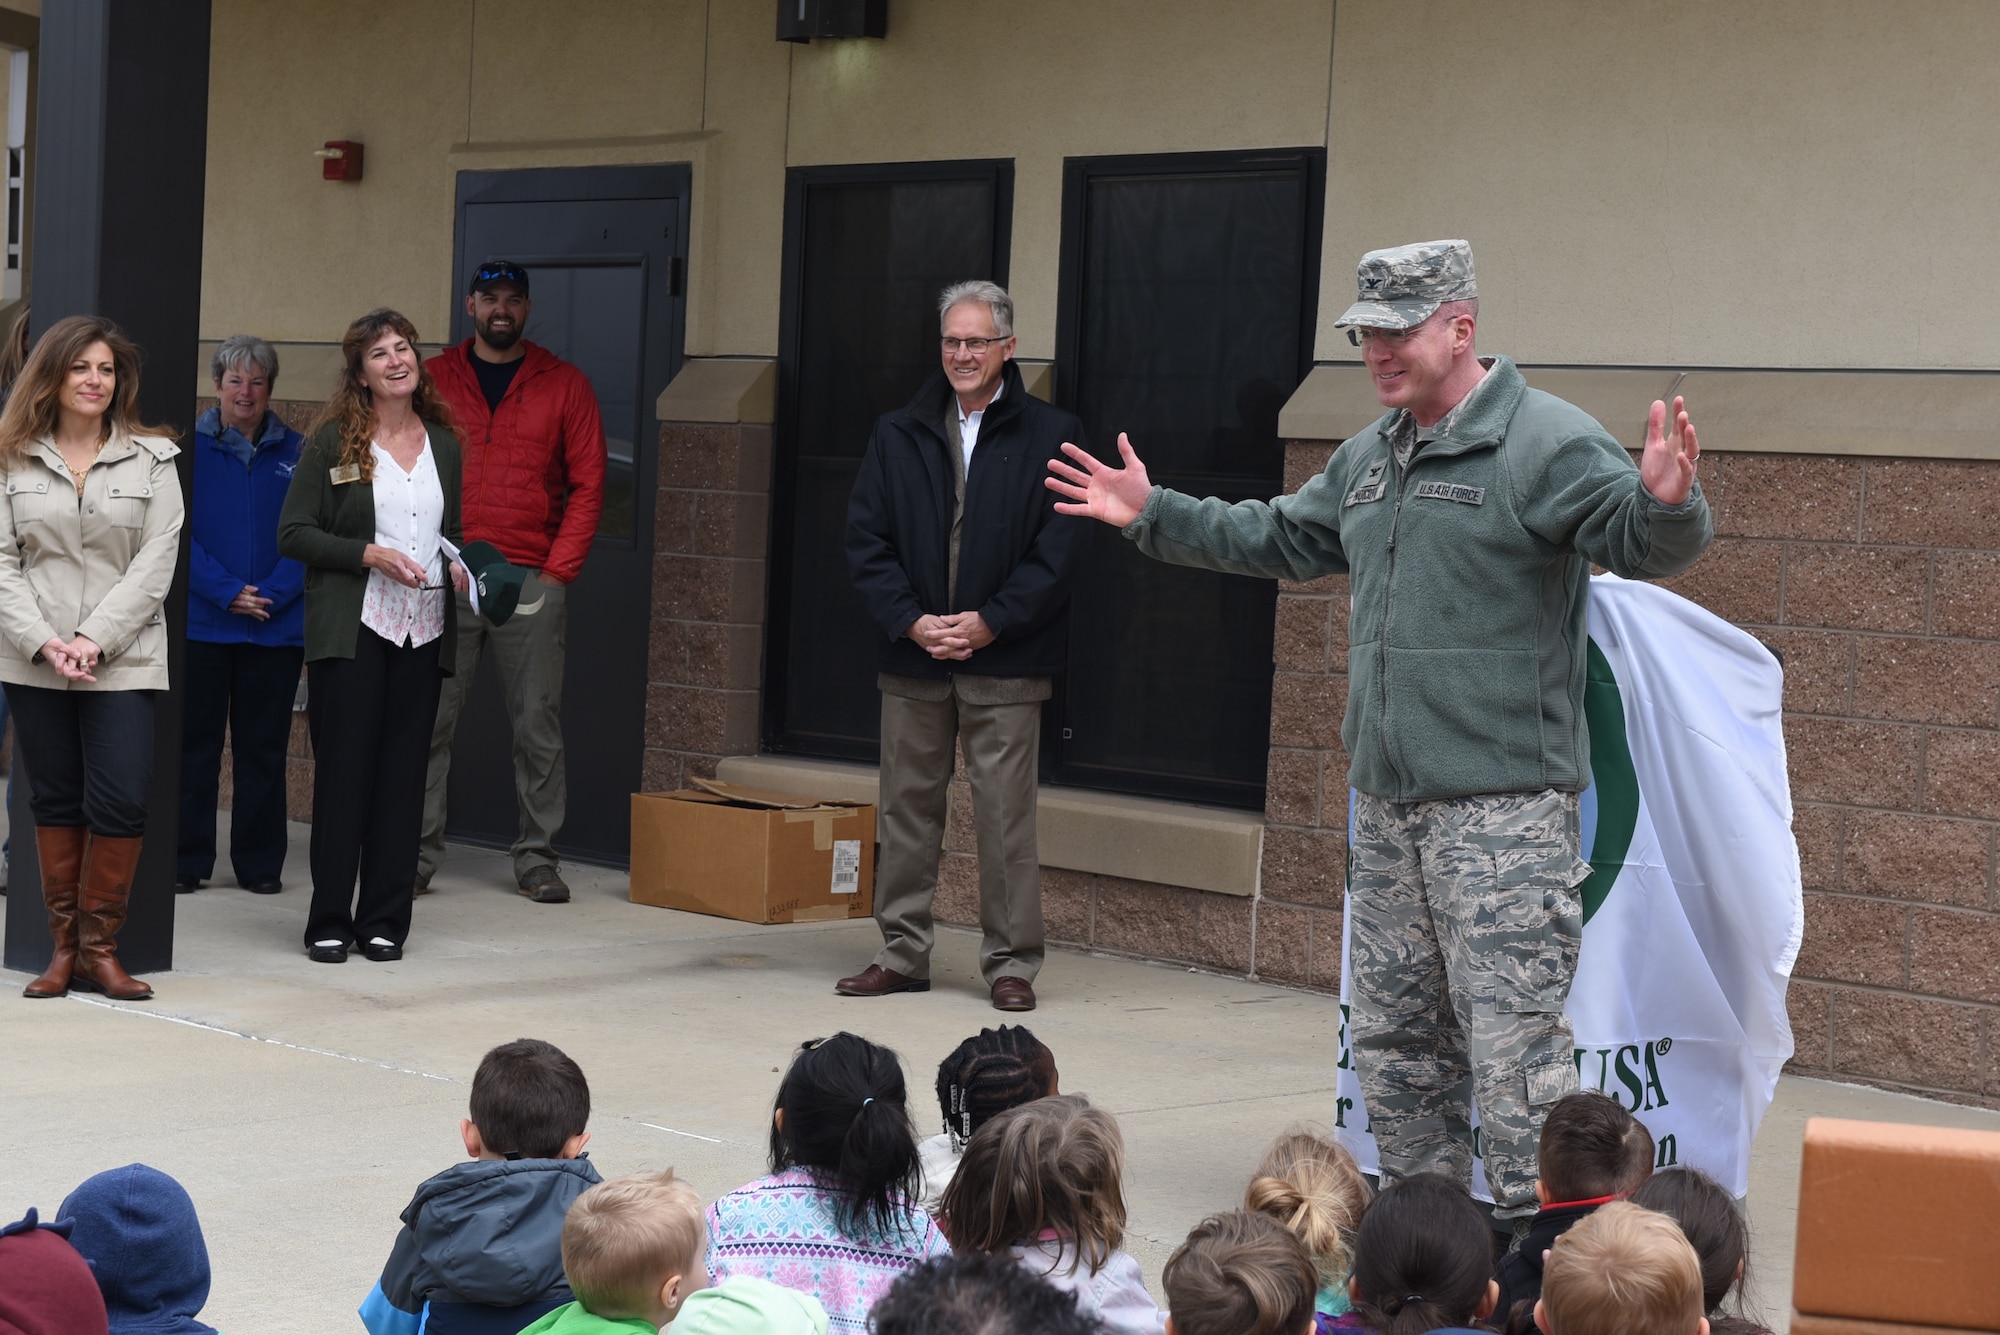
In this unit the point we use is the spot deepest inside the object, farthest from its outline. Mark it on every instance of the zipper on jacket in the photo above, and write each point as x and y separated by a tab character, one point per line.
1382	640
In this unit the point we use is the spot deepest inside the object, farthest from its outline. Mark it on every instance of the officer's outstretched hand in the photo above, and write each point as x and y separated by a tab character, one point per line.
1097	490
1667	466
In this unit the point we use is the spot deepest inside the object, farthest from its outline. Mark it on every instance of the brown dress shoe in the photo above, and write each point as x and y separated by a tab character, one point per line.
876	981
1013	994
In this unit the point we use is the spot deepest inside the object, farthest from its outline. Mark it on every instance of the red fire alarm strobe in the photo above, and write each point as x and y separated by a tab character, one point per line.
340	160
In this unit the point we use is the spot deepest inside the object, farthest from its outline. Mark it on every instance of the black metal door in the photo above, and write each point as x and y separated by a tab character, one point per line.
1188	300
604	248
867	252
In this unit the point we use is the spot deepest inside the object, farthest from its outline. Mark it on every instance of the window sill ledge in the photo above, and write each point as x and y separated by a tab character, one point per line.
1137	838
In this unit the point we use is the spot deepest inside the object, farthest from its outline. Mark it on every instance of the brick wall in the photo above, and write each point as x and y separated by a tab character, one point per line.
1879	582
706	662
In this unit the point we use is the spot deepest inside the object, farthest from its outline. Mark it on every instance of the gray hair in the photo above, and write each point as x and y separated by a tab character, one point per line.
239	350
992	295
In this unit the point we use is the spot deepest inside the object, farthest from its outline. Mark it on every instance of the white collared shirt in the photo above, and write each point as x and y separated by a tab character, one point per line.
409	516
968	423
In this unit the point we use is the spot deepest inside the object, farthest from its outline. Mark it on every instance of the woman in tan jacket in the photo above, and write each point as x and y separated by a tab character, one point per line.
89	536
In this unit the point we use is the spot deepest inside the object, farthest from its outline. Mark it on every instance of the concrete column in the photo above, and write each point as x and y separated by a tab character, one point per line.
122	143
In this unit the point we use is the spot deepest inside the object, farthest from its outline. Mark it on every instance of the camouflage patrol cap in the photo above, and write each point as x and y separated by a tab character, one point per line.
1403	286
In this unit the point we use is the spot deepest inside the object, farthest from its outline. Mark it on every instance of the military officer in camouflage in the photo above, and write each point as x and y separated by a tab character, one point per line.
1467	518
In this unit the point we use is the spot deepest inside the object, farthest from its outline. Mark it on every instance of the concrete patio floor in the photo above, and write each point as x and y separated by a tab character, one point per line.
302	1103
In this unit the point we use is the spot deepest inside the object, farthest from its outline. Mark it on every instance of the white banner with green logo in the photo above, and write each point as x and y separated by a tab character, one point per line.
1692	912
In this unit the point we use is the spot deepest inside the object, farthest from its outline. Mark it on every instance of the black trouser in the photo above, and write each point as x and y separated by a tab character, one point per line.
89	754
249	688
371	717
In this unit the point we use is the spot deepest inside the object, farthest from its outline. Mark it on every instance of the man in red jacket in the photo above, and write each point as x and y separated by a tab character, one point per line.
534	486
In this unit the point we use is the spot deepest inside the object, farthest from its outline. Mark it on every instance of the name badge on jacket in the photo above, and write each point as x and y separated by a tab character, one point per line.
340	473
1451	491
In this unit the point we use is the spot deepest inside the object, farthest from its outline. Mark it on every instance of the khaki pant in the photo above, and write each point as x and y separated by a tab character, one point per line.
528	650
1002	746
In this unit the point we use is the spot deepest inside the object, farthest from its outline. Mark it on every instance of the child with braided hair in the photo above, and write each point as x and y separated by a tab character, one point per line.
1312	1186
994	1070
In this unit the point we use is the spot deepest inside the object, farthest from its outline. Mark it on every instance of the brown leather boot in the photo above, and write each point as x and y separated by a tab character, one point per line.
107	887
61	852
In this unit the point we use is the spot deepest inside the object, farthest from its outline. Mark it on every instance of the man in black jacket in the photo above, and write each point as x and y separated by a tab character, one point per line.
963	563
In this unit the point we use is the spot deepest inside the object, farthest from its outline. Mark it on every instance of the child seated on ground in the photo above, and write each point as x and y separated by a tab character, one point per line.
1592	1151
1312	1186
977	1294
1624	1271
1240	1273
45	1287
1714	1227
631	1249
994	1070
487	1235
1423	1261
837	1216
1044	1183
137	1228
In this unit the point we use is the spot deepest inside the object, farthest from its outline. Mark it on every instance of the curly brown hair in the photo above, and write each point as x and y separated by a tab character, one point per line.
35	405
351	406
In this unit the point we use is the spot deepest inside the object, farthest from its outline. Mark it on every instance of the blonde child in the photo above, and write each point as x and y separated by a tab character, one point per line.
631	1250
1623	1271
1240	1273
1313	1187
1043	1183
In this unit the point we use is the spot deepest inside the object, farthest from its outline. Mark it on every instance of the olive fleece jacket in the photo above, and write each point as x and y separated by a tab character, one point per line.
1470	574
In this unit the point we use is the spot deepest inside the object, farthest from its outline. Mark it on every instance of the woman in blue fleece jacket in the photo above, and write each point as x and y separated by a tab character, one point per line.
246	623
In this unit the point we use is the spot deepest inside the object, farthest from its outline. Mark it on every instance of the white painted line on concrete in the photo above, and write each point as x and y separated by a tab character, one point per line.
259	1038
713	1140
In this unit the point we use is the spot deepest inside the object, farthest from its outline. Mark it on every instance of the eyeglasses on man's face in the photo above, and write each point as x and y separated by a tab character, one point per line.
976	346
1361	336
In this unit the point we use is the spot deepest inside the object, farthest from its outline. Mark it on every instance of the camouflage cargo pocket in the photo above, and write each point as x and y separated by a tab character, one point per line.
1537	925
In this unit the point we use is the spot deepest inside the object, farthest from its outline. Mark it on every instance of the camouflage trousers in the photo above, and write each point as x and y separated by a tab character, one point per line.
1464	923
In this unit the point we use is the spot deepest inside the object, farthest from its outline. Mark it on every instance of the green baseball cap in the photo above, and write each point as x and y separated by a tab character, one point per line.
499	583
1403	286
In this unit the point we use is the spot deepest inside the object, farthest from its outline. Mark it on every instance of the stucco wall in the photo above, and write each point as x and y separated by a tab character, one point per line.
1689	183
1682	182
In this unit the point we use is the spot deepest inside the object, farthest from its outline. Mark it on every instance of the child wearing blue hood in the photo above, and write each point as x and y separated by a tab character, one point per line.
481	1245
137	1228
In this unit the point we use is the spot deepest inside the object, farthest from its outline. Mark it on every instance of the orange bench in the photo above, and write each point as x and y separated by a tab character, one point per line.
1899	1230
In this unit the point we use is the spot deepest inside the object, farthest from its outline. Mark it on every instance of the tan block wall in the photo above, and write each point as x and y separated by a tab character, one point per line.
707	654
1878	580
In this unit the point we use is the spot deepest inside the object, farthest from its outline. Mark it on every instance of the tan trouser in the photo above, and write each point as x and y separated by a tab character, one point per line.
1002	743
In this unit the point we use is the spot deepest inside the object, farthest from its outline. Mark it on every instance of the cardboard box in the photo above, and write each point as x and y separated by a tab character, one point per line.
755	855
1899	1225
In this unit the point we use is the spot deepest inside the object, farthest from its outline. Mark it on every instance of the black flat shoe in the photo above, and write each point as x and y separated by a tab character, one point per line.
186	885
327	952
264	885
382	952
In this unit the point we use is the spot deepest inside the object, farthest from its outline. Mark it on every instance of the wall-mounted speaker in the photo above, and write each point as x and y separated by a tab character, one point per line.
803	20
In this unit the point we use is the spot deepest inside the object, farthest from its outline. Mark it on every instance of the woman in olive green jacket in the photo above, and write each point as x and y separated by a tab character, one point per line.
89	537
370	509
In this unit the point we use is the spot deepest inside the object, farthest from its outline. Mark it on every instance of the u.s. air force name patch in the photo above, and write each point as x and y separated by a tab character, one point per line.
1450	491
1361	495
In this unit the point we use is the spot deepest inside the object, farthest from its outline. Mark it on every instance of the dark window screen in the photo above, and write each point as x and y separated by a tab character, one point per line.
868	250
1188	313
